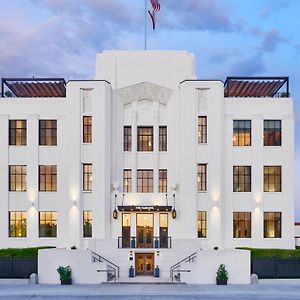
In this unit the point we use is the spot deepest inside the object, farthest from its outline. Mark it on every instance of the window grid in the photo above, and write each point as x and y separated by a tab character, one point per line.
145	181
242	133
272	178
272	224
17	178
202	129
201	224
87	224
48	224
145	139
202	177
48	133
242	224
163	138
17	224
87	177
87	129
127	138
127	181
47	178
242	178
272	132
17	132
163	180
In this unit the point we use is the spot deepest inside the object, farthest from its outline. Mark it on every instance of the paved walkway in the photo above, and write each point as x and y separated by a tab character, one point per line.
110	291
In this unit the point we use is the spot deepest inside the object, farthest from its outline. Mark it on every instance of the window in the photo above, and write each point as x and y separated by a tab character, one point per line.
127	138
163	230
17	132
242	179
87	177
201	224
242	133
145	139
242	225
272	132
202	130
272	225
87	224
48	132
17	178
272	178
47	178
127	183
125	230
163	181
87	129
202	176
145	181
17	224
163	138
48	224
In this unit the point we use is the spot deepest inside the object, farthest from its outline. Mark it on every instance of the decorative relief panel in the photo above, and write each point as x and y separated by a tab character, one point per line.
86	96
202	95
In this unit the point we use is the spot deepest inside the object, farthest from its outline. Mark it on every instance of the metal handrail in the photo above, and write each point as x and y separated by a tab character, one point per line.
108	272
177	265
99	258
180	271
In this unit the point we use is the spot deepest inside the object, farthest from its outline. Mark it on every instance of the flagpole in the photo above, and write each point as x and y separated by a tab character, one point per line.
145	24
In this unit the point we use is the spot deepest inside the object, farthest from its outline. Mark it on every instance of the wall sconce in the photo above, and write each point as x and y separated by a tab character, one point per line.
167	199
157	253
32	204
174	213
74	202
115	212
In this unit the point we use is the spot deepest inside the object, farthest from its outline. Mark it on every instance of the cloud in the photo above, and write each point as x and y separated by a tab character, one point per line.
272	8
271	40
249	66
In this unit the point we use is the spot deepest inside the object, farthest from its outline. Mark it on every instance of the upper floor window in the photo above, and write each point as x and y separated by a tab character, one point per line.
17	132
17	178
242	133
163	138
272	225
242	225
87	129
145	139
127	183
87	177
163	180
17	224
202	177
48	133
272	132
48	224
242	178
272	178
48	178
127	138
202	129
201	225
87	224
145	181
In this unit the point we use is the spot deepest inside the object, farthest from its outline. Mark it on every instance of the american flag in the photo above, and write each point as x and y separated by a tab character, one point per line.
155	8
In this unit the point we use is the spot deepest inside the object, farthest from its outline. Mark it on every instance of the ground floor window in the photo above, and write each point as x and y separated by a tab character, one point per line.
201	224
17	224
242	225
87	224
48	224
272	225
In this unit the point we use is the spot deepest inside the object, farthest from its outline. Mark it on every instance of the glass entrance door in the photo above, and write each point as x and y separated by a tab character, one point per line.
144	263
144	230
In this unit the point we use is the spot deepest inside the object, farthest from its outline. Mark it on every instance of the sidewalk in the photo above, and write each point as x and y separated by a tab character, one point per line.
151	291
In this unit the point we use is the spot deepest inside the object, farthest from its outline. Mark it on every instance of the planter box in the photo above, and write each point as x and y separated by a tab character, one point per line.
156	272
221	282
131	272
68	282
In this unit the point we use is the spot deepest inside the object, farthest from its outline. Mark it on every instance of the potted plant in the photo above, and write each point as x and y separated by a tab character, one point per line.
65	275
131	271
156	271
222	275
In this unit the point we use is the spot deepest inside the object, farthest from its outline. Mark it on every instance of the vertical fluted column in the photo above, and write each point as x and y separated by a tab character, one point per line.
134	147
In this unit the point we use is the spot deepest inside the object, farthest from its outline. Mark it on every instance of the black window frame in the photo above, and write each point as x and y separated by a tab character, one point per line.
277	227
145	183
22	175
163	181
144	137
240	225
163	138
87	224
270	133
127	138
87	122
17	133
201	178
12	224
43	183
240	129
202	224
87	177
243	179
48	132
272	179
202	130
50	232
127	181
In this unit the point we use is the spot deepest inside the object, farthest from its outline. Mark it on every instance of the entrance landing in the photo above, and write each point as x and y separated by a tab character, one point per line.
144	279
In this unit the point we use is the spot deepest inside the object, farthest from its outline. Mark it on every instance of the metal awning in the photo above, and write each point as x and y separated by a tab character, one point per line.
145	208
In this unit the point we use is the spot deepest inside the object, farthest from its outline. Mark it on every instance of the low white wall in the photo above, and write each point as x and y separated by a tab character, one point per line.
80	261
204	269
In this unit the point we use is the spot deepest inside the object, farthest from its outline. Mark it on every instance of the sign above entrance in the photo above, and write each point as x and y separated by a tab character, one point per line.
144	208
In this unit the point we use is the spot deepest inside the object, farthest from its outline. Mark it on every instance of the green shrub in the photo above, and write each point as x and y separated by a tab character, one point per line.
65	273
271	253
222	274
22	252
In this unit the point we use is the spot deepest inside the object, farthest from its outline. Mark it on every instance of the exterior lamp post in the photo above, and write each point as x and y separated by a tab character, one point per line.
174	213
115	212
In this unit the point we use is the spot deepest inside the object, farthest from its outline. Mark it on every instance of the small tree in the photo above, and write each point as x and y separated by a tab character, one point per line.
65	274
222	275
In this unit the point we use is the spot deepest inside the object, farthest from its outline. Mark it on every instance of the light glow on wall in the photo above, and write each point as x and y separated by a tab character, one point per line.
216	195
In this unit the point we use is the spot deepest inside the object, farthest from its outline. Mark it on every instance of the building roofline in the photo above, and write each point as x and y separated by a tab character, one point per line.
193	80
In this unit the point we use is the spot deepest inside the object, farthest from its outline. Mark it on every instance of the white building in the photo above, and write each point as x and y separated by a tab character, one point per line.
145	164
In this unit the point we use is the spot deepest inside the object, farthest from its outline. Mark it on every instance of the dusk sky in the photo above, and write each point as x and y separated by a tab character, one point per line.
60	38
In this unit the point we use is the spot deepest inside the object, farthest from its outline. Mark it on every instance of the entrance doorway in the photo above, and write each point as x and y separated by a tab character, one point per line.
144	263
144	230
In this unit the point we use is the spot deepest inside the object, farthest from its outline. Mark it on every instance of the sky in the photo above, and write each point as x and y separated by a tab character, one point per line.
60	38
